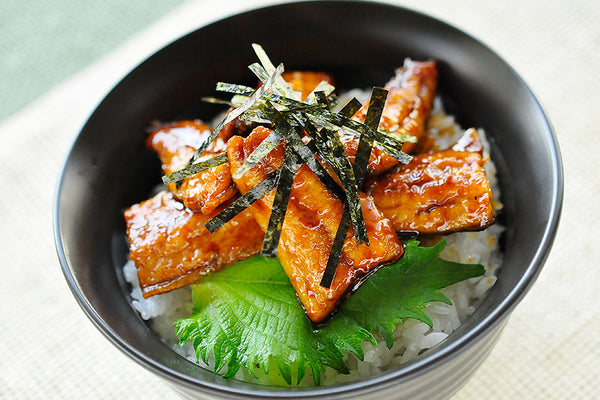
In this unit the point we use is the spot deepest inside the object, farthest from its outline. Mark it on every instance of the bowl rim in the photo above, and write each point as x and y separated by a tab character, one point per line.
420	366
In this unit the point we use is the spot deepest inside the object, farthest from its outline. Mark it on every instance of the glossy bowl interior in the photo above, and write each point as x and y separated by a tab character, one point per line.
361	43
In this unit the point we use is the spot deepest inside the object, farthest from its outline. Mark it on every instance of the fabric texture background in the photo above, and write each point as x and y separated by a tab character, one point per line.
46	42
550	348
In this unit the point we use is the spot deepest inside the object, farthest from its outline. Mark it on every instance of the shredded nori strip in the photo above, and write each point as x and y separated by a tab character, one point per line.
279	208
281	88
361	161
195	168
325	88
234	88
243	202
390	143
294	140
258	93
322	100
291	163
385	141
276	103
304	150
394	151
368	134
264	148
336	249
291	104
335	156
280	85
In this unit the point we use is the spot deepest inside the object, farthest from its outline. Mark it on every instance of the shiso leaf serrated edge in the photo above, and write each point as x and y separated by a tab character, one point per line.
248	314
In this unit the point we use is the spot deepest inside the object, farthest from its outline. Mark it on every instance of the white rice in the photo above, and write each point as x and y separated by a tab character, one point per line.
411	337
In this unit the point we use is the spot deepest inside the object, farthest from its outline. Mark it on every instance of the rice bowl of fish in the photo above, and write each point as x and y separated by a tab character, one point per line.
308	212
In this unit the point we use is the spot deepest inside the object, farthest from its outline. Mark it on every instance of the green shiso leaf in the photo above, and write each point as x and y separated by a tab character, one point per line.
402	289
248	314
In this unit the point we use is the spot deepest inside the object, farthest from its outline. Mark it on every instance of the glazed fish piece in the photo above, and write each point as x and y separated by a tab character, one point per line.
410	99
171	247
306	81
311	221
175	143
303	82
437	192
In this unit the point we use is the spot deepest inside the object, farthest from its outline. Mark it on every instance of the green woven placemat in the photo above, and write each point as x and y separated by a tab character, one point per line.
44	42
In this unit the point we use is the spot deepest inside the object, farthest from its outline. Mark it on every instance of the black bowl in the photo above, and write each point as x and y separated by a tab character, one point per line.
361	43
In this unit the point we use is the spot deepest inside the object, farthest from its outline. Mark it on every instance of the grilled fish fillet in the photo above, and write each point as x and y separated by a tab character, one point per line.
306	81
171	247
311	221
175	144
437	192
410	99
